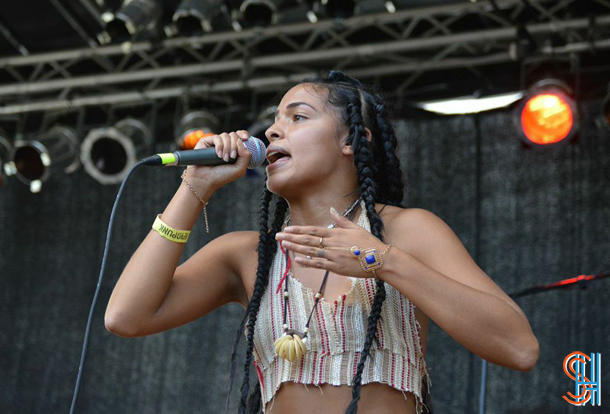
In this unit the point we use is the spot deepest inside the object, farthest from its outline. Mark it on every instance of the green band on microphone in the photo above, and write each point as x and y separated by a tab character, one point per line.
167	158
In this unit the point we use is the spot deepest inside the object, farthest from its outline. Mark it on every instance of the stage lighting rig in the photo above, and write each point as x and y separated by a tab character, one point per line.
548	115
194	17
34	161
194	125
259	13
134	19
109	153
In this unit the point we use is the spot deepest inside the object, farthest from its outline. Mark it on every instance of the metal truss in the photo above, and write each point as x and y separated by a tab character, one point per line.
410	42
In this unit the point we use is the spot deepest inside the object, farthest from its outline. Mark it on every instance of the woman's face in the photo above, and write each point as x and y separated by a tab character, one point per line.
307	130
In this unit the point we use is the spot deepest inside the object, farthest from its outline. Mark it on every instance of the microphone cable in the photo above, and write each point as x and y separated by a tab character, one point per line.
178	158
83	357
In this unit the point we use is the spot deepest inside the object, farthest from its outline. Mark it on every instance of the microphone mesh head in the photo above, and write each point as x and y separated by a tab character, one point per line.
258	150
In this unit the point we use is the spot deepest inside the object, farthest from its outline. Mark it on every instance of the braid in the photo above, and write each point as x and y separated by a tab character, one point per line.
389	163
251	402
336	76
264	262
364	159
278	220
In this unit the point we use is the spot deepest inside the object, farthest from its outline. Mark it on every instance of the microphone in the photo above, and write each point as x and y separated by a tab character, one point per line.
207	156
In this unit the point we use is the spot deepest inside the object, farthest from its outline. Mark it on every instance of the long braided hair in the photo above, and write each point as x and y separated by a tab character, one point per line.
380	181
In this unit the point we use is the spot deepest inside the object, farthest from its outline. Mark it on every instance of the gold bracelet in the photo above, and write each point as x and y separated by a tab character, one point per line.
170	233
380	256
205	203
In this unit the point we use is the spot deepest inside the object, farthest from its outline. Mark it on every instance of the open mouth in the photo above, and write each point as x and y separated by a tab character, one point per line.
275	156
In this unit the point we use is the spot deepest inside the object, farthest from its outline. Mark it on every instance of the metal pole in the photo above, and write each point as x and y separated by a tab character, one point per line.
230	86
286	30
93	12
12	40
292	58
73	23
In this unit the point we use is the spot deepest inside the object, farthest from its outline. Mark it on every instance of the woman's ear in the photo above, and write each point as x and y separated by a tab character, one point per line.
347	149
369	134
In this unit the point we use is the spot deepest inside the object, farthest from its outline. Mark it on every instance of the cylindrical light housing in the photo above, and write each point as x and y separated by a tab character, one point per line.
34	161
259	13
194	17
109	153
548	114
133	18
196	120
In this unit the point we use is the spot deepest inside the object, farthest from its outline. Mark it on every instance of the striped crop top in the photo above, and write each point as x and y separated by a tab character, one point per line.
336	336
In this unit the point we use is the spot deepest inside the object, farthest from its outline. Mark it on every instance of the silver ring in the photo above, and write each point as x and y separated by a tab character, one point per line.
308	257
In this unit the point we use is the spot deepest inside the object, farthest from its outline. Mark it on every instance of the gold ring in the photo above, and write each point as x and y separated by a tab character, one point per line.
321	244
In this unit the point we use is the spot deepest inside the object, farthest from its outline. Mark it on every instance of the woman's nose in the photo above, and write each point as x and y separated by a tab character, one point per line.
272	133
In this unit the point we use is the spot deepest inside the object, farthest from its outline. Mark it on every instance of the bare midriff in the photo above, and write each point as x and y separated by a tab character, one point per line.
375	398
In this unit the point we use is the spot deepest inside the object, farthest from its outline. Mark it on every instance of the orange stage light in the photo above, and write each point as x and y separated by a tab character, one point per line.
547	118
191	139
548	115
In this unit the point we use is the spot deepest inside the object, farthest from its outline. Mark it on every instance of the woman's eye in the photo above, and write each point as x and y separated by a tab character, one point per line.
298	116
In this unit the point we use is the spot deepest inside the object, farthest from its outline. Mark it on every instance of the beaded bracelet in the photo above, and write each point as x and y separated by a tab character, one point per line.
205	203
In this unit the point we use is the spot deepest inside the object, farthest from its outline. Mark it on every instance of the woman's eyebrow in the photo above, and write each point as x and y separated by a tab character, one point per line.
293	104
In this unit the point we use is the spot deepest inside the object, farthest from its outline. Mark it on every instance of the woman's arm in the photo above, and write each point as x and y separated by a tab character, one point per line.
151	294
442	280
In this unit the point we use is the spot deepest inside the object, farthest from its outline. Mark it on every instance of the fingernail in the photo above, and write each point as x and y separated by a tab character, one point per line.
233	154
332	210
226	157
279	236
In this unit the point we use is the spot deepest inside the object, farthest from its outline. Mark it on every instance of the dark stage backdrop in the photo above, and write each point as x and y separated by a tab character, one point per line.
526	217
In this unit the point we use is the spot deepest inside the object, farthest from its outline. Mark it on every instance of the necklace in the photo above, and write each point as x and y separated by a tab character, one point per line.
345	213
291	345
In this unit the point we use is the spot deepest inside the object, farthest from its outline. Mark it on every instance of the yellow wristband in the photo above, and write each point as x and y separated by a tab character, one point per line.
170	233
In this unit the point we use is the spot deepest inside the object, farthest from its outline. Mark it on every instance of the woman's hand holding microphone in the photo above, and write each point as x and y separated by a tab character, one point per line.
227	145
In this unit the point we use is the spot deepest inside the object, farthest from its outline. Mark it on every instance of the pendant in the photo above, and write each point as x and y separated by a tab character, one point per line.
290	346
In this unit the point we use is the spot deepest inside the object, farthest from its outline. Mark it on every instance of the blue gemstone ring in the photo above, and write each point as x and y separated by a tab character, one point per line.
355	250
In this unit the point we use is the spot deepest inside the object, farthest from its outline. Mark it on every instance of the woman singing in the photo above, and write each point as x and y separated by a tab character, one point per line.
339	281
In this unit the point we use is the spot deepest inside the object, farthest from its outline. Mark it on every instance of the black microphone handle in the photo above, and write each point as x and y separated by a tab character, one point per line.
202	156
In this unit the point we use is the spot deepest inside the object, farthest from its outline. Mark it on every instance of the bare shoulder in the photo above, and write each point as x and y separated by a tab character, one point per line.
408	227
398	219
423	234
